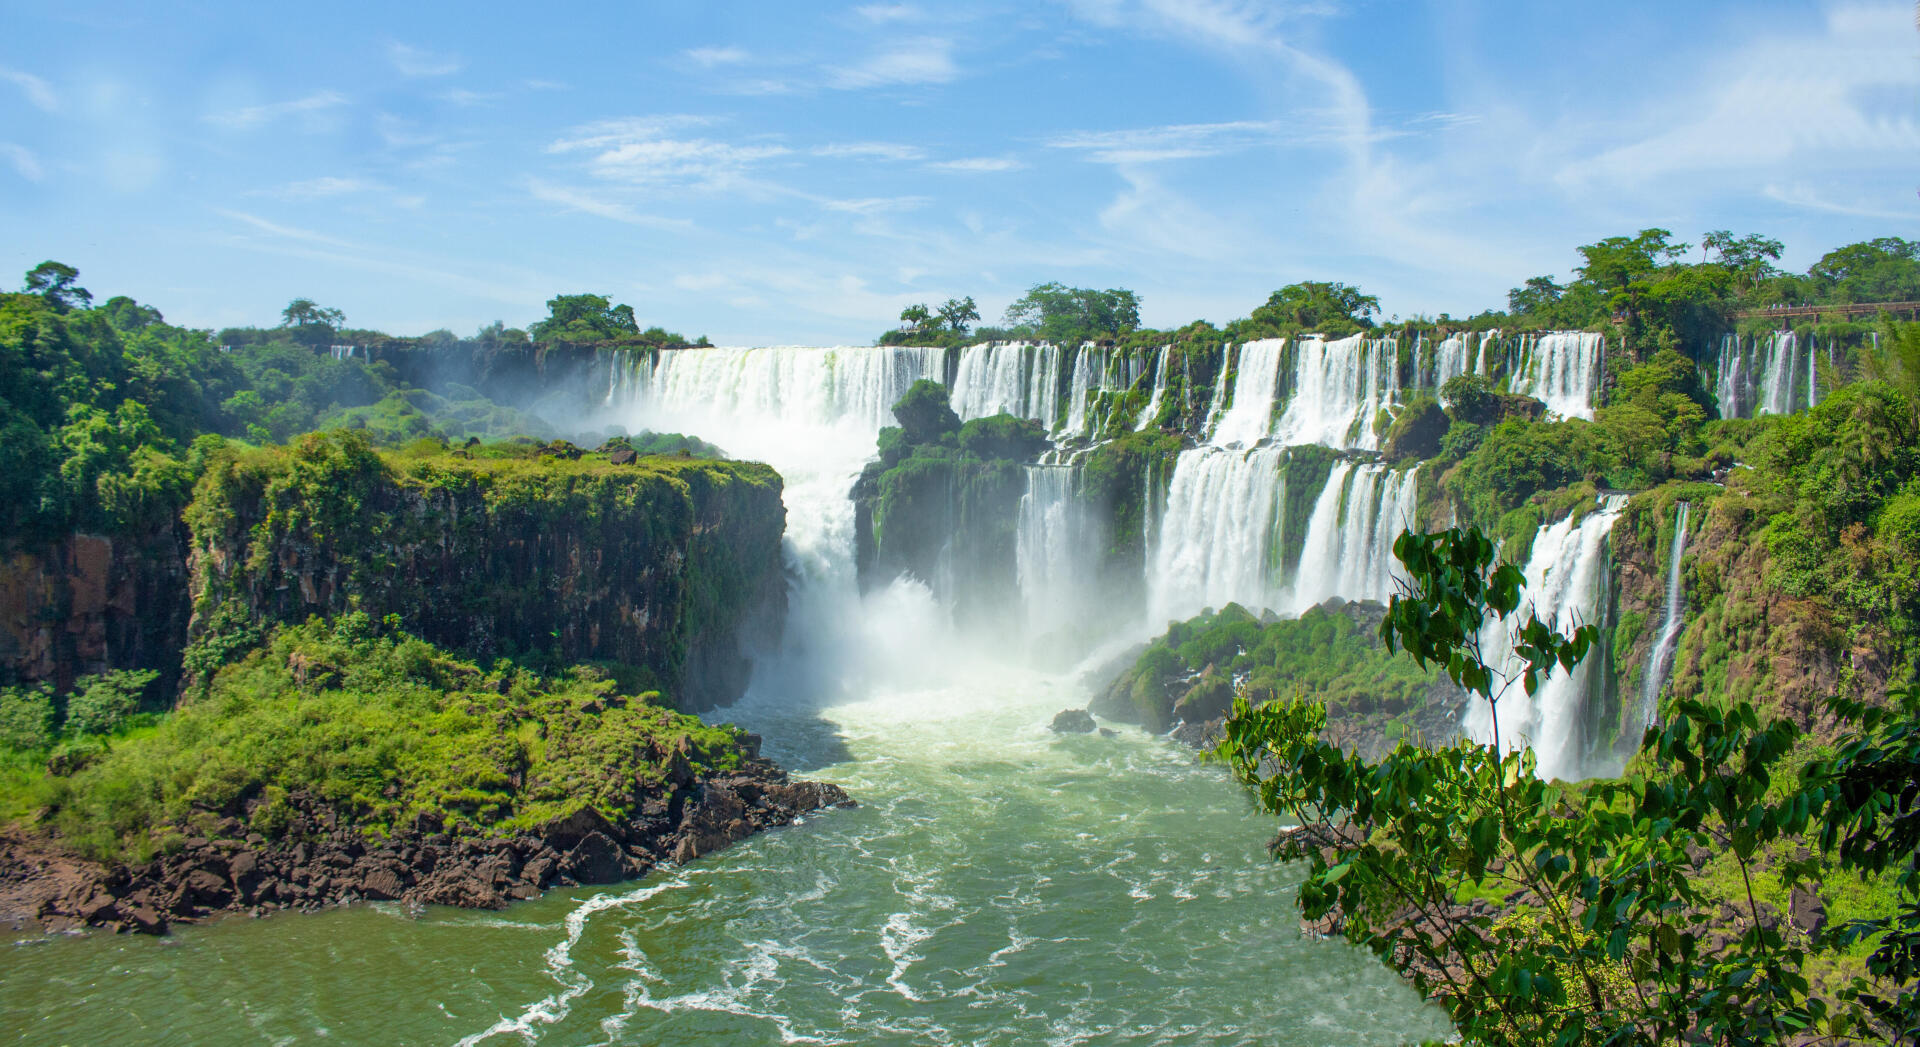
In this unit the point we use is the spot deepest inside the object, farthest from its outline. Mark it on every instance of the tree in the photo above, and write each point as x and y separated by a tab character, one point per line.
128	315
915	317
1059	313
1886	269
585	318
1749	258
54	281
1540	295
1603	948
959	314
303	314
1329	308
1619	266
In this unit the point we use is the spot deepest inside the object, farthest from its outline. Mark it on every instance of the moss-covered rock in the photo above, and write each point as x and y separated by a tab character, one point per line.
665	564
938	496
1332	653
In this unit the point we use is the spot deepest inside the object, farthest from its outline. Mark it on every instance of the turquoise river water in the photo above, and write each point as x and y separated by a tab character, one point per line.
999	884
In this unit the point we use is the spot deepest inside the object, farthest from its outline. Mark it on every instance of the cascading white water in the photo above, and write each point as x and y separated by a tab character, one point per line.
1451	359
1338	389
1768	375
1015	377
1216	536
1055	549
1089	376
1249	419
1660	658
1562	369
814	415
1152	409
1349	544
1217	533
1566	587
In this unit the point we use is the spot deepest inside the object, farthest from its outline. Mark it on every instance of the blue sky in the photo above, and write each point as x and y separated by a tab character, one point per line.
797	172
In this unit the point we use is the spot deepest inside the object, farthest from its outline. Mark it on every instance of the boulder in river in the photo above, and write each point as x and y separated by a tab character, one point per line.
1073	721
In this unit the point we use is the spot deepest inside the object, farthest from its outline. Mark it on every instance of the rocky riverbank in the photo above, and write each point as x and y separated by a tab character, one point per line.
322	861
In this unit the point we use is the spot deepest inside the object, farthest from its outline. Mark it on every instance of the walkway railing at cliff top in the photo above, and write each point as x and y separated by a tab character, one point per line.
1911	309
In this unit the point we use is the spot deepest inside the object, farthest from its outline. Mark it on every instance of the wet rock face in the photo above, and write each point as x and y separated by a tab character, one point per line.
1073	721
42	883
90	603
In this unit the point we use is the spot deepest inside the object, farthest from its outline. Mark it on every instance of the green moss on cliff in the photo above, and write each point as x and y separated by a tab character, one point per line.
943	493
505	549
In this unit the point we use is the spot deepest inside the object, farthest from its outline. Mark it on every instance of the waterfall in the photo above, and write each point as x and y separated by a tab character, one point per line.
1660	658
1767	375
1250	418
1566	588
1450	359
1338	388
1349	544
1018	378
1480	359
1217	534
1089	377
1055	547
1562	369
1152	410
1729	379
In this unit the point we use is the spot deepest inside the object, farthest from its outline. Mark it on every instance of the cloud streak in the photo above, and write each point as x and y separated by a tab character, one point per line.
925	60
254	116
419	62
38	91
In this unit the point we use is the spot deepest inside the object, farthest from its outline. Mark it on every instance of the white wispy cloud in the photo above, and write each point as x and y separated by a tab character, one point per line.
286	232
708	57
642	150
463	97
250	117
417	61
24	162
877	204
978	165
870	151
882	13
325	186
1809	198
38	91
587	202
923	60
1845	96
1142	145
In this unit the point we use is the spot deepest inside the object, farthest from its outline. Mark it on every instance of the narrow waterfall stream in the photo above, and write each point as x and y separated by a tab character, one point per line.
1660	658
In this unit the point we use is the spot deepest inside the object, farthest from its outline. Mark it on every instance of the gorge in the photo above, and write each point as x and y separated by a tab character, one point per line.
918	556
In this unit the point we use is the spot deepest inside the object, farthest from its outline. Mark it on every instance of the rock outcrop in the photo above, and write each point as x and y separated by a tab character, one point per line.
323	862
668	564
92	603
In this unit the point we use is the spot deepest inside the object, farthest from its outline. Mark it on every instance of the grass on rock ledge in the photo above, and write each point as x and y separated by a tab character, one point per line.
379	725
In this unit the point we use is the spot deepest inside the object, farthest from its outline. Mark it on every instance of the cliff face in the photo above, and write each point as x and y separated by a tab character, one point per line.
91	603
668	565
1744	637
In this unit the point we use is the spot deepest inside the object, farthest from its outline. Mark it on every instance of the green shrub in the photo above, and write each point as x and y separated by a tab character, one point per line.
103	704
26	718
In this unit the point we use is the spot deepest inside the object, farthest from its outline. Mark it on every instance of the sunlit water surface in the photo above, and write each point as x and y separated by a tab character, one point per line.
999	884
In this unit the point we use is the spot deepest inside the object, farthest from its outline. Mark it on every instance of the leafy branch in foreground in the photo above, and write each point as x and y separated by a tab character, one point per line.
1597	928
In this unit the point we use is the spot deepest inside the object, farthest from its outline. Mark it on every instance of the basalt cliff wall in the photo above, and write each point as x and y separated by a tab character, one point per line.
671	566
